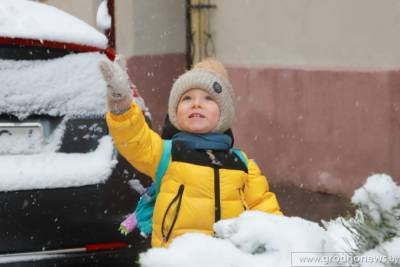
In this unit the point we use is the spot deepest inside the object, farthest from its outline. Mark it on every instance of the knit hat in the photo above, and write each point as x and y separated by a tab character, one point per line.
211	76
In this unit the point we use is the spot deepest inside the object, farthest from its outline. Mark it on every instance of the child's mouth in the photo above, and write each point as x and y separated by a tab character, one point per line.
196	115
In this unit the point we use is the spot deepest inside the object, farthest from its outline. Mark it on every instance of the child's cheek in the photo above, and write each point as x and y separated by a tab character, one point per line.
183	108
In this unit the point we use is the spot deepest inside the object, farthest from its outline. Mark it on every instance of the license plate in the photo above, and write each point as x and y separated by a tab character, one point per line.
21	138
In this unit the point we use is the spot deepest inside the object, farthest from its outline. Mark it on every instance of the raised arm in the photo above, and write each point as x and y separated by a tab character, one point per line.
135	141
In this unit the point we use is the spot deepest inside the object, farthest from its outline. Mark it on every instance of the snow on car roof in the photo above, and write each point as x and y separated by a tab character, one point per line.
31	20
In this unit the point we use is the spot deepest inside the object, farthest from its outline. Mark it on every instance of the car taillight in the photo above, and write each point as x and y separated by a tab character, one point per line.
106	246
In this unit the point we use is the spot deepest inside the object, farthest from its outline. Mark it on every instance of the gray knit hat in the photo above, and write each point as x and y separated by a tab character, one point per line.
211	76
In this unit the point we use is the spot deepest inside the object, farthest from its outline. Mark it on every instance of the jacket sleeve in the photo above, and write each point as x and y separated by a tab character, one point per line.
256	191
135	141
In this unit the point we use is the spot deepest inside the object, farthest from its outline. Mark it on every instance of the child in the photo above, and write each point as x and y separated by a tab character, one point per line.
205	182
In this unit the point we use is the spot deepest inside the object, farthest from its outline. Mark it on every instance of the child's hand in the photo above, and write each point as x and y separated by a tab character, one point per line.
226	228
119	95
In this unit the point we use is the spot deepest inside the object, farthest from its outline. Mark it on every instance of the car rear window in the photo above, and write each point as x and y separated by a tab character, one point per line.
22	52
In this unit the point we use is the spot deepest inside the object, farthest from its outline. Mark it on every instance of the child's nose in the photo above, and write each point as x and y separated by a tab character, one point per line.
196	102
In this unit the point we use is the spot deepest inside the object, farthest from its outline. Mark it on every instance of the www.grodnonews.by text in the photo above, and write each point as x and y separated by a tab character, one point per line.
311	259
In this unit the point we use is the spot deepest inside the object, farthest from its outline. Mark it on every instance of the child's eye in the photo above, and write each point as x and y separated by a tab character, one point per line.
186	97
209	98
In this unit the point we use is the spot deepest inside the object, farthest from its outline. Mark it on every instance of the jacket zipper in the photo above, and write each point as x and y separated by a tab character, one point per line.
217	216
241	194
179	198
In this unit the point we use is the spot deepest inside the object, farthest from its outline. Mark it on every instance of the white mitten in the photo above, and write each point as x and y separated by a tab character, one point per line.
119	95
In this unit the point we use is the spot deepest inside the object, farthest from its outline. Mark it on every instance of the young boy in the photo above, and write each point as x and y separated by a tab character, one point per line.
205	182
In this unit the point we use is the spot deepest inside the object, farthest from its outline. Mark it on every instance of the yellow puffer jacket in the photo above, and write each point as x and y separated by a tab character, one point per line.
194	193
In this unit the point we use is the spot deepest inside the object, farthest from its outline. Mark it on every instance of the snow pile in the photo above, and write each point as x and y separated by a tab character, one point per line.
257	232
260	239
380	193
30	20
254	239
54	170
71	85
103	18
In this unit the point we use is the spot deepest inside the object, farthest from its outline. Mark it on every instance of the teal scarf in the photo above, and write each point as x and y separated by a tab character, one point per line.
213	141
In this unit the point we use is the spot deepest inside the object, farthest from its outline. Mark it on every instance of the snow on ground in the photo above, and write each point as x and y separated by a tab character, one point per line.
32	20
260	239
254	239
54	170
71	85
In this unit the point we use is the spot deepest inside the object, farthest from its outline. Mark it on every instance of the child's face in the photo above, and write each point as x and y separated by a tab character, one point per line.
197	112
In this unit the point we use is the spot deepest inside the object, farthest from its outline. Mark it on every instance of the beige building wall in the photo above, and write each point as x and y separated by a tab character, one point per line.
85	10
159	27
332	33
143	27
150	27
124	27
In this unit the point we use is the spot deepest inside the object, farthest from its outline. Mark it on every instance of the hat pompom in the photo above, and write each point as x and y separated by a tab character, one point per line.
214	65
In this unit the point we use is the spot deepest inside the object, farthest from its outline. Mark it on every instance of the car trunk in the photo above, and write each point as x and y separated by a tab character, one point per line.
56	212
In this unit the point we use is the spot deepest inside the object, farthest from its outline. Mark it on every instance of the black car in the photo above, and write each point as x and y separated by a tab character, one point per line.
64	189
